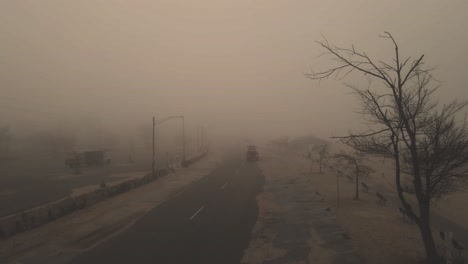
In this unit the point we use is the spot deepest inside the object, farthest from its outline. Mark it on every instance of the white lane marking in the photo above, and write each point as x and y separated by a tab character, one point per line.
179	193
347	252
328	218
224	186
197	212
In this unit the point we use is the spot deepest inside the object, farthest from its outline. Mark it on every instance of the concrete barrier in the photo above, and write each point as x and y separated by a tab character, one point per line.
31	218
192	160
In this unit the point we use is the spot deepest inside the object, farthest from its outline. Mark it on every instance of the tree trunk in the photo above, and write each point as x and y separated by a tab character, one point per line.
320	165
357	186
310	167
428	240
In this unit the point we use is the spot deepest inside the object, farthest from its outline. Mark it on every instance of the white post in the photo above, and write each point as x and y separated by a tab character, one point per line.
338	190
448	247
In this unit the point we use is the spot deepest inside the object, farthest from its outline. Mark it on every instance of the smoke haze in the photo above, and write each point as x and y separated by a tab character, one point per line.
236	67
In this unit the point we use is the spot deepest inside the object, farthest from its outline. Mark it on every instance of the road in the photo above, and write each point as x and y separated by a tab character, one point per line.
208	222
30	186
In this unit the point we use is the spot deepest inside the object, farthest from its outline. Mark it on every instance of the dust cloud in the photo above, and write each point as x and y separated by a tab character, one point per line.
93	73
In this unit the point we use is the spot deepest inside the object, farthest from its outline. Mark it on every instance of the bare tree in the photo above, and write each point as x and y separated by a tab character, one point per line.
356	160
323	153
429	147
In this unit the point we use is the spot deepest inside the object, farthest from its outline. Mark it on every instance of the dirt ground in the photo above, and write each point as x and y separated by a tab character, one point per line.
294	225
454	207
380	233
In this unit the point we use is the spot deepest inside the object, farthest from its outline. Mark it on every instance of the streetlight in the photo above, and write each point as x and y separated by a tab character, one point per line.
156	122
202	139
205	143
152	166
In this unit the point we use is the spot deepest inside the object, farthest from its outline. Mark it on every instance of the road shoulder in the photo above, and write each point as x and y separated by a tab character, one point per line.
294	225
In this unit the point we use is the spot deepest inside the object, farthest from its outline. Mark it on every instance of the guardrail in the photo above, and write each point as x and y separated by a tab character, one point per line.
40	215
37	216
192	160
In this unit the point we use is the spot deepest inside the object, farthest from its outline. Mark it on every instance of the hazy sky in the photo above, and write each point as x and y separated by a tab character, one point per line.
236	65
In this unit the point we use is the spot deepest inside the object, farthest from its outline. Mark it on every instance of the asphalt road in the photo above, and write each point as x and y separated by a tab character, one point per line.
24	186
208	222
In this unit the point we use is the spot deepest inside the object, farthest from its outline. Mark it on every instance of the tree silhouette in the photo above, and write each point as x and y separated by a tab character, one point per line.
428	145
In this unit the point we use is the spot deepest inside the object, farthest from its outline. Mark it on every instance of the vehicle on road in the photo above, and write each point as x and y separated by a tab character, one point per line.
252	154
74	160
88	158
95	158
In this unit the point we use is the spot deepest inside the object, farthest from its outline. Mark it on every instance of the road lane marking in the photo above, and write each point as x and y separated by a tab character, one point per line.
347	252
179	193
224	186
197	212
327	218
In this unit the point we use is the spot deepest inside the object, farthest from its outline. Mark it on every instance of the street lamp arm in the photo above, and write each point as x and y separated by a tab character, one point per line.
167	118
183	129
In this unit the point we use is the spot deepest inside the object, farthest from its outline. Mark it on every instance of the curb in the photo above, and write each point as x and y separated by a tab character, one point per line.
40	215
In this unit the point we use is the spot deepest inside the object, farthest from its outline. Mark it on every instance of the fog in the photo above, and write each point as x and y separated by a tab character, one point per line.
81	82
235	67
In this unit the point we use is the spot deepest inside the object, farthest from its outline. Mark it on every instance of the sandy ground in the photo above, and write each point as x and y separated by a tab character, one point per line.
86	228
290	215
379	232
454	207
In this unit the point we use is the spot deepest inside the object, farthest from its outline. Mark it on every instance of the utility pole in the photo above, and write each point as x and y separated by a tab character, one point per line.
154	127
183	132
183	135
208	140
198	140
